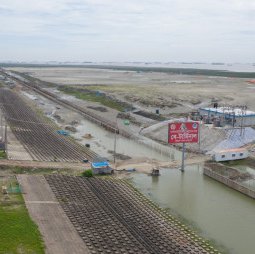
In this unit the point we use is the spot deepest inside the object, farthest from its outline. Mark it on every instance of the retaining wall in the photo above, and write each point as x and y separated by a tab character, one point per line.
230	183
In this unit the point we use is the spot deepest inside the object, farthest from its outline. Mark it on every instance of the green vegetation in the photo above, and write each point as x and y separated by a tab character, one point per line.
3	154
38	170
18	233
88	95
87	173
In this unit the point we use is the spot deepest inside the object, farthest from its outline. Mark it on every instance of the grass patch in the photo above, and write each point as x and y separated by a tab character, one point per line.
87	173
87	95
9	169
3	154
18	233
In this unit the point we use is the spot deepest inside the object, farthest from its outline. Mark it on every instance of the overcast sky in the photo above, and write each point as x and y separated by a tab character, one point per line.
127	30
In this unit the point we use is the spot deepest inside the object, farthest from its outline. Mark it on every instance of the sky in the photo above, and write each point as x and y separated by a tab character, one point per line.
127	30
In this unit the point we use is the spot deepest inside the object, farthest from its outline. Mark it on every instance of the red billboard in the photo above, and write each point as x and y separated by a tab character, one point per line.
186	132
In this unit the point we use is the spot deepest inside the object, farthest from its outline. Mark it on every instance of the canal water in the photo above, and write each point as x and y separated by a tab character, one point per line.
102	141
220	213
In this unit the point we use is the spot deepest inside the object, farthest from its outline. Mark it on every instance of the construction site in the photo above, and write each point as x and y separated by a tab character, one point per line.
56	121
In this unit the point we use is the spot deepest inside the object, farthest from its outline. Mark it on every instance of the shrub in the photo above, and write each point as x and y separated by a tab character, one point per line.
2	154
88	173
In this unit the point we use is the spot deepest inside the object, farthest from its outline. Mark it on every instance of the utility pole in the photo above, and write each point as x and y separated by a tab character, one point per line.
115	140
183	156
199	137
114	152
1	123
5	138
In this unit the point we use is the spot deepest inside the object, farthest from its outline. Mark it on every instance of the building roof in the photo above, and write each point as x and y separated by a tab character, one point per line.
226	111
233	150
101	164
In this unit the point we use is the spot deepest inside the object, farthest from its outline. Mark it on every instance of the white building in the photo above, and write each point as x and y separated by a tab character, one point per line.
231	154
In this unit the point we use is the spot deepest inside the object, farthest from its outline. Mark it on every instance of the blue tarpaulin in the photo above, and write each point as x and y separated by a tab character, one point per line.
63	132
100	164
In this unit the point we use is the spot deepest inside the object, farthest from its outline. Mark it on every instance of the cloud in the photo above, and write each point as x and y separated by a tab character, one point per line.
146	29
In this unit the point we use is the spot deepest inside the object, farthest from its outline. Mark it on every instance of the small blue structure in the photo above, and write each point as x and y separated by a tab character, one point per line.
101	166
63	132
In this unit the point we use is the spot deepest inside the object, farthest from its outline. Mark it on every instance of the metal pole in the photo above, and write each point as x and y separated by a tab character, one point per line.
1	133
199	136
5	138
183	156
114	152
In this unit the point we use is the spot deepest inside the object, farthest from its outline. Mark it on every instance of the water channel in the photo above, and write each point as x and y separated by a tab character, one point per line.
103	141
222	214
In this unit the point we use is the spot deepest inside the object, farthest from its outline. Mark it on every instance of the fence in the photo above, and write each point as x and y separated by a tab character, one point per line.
230	183
14	188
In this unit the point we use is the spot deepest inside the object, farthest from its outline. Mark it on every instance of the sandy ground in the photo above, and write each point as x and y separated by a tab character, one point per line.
170	92
143	165
60	236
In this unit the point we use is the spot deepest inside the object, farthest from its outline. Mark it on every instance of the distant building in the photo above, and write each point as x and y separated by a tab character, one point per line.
225	115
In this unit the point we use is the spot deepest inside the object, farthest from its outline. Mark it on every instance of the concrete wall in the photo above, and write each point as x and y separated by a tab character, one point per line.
230	183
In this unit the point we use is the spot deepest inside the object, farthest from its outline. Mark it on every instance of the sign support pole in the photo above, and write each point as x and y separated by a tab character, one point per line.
199	136
183	157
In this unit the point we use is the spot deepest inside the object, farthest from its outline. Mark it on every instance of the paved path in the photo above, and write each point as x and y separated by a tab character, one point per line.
60	236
